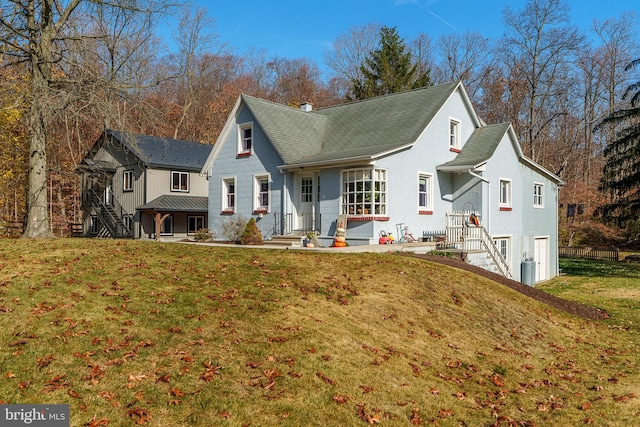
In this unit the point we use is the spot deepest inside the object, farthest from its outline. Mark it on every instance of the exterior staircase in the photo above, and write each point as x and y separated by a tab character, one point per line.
476	244
110	215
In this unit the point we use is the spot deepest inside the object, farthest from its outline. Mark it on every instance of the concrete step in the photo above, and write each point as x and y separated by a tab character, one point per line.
290	241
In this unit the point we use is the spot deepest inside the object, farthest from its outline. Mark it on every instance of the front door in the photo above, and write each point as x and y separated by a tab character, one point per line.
541	257
305	205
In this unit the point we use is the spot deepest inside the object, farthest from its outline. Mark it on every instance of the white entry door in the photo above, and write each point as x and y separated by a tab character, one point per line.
305	203
541	257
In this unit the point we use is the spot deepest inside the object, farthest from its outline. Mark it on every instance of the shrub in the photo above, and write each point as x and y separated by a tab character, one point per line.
233	228
251	234
203	235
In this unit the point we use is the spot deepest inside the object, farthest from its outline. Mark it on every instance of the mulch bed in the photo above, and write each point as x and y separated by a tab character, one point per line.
575	308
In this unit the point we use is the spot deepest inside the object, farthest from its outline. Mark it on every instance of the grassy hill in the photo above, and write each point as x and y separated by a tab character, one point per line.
155	334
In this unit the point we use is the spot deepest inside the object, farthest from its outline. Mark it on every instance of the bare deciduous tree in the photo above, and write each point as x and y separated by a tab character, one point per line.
465	57
350	50
539	45
43	34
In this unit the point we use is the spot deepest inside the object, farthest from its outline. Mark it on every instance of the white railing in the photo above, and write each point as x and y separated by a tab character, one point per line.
470	237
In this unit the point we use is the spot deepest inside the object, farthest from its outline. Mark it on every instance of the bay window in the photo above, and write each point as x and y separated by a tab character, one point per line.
364	192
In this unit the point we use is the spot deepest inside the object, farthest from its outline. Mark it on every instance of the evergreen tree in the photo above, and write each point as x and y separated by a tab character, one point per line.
621	172
388	69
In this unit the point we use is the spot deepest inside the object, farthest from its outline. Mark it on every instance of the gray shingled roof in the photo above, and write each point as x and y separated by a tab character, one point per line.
478	149
171	203
362	129
164	152
293	133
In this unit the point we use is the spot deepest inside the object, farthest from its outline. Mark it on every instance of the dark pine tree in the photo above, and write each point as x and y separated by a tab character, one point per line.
621	172
388	69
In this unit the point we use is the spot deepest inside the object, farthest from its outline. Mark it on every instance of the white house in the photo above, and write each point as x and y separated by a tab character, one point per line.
421	158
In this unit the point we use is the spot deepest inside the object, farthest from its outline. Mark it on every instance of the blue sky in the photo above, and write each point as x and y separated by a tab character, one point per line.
295	29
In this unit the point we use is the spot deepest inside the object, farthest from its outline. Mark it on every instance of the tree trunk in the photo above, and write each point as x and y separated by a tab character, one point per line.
38	225
37	202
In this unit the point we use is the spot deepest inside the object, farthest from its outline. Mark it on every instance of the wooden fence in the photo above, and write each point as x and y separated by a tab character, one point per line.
588	252
14	228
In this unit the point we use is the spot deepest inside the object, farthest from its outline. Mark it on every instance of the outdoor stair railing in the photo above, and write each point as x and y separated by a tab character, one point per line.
110	215
471	237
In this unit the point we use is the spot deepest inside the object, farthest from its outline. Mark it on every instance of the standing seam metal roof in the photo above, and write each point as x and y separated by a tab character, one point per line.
171	203
164	152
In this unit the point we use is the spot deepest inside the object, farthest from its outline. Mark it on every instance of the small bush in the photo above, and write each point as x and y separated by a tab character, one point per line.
233	228
444	254
203	235
251	234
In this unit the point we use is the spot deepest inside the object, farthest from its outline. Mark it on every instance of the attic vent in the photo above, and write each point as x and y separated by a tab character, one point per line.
306	107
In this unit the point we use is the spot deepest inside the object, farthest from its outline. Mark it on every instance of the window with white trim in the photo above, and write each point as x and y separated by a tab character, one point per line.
364	192
504	246
229	194
538	192
127	180
424	192
245	138
180	181
195	223
261	194
505	193
454	134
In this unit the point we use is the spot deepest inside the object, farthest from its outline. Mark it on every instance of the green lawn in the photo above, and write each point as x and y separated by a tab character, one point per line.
158	334
613	286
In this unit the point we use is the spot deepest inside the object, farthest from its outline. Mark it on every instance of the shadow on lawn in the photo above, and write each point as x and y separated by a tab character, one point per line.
597	268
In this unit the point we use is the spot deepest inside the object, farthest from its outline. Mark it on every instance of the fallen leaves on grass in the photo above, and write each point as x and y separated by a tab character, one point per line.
55	383
367	389
210	371
497	380
370	418
224	414
141	416
45	361
326	379
95	375
338	398
415	417
624	398
95	422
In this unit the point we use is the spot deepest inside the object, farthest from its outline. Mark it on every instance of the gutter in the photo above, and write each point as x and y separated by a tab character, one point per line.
329	163
369	158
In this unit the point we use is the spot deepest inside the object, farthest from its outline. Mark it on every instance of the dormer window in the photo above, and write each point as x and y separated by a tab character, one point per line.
454	135
245	139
